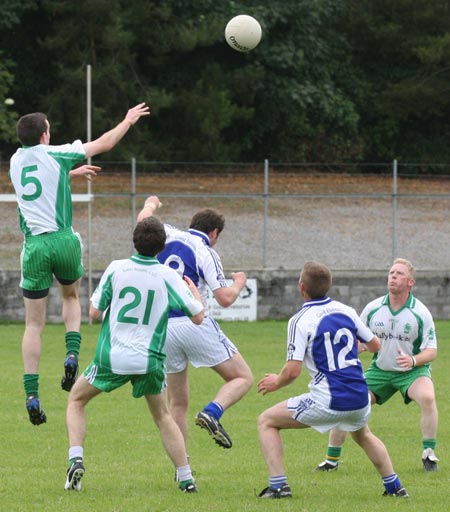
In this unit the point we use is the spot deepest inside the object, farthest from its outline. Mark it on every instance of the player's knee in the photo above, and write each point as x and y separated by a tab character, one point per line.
249	380
264	421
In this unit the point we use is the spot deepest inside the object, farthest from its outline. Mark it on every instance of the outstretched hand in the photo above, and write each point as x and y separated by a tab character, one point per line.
268	383
85	170
135	113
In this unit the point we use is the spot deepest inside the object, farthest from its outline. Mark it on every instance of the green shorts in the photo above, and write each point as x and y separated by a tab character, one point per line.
384	384
152	383
58	254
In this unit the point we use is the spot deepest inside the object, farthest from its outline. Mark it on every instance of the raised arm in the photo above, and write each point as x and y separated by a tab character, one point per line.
109	139
152	203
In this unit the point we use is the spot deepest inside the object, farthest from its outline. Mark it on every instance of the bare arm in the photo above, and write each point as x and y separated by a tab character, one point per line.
226	296
407	362
109	139
85	170
198	318
151	204
271	381
95	313
373	345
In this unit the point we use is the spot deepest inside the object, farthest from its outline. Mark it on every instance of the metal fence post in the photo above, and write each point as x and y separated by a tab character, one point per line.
89	185
266	209
394	209
133	193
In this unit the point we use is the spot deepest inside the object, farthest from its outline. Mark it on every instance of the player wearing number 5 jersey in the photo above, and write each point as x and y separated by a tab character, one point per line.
134	296
322	337
191	254
40	174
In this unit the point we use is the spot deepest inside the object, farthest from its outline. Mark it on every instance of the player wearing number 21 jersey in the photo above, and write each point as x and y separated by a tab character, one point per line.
134	297
137	293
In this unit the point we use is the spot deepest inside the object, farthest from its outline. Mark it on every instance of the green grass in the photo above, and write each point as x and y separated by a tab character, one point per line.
127	469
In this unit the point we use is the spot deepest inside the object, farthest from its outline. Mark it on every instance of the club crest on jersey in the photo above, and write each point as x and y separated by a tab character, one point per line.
407	328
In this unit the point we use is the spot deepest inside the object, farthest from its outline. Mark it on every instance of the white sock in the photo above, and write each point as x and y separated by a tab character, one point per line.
75	452
184	473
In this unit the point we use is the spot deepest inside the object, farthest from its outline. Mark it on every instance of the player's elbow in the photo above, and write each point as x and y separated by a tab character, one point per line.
95	313
226	296
374	344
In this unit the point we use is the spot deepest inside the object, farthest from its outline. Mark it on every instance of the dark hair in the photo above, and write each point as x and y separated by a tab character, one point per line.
316	278
30	128
149	236
207	220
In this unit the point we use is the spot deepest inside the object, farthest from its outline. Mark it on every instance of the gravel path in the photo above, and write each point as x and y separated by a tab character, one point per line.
347	233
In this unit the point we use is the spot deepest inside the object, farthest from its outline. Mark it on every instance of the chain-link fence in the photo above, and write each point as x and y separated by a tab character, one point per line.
277	215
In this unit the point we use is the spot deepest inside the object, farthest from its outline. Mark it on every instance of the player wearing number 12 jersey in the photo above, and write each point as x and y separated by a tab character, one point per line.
323	336
406	330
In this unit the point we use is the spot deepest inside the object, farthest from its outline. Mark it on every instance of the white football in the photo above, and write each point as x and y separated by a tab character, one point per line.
243	33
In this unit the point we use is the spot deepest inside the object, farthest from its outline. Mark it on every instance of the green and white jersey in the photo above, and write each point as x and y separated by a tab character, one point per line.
40	176
137	295
409	330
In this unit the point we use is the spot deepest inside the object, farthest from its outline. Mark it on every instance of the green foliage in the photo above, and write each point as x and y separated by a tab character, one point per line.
127	469
403	53
330	81
8	116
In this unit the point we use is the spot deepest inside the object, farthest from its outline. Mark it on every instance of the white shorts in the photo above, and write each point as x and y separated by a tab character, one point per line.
202	345
307	411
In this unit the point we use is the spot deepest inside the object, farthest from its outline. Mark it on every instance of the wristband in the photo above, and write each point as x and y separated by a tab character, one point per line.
414	362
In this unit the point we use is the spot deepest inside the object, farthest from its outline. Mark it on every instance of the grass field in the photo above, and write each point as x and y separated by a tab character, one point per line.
127	469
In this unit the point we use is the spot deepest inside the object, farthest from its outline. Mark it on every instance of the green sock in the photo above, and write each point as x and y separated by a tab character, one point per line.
333	454
73	342
31	384
428	443
185	483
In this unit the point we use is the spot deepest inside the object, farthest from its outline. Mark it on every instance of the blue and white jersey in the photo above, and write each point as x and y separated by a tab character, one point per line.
323	334
190	254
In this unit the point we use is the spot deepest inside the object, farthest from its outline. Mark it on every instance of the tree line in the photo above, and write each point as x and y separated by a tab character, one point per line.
331	80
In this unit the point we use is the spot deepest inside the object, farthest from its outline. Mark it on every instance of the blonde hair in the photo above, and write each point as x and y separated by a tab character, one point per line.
409	266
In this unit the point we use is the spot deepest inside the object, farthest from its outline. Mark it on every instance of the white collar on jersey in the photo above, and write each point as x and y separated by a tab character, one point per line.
317	302
202	235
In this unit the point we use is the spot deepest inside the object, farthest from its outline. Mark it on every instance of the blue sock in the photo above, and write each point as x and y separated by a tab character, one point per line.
392	483
277	482
214	409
